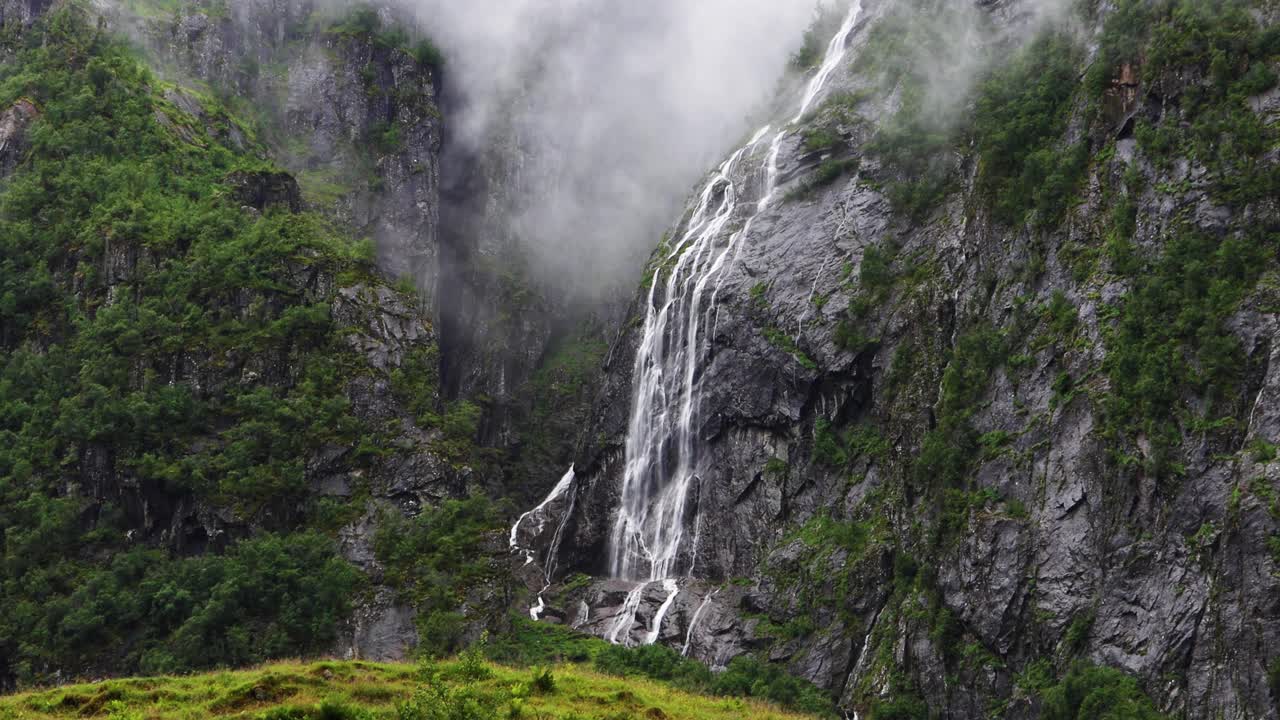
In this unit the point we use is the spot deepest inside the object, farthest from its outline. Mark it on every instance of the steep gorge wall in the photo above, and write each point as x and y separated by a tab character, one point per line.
918	477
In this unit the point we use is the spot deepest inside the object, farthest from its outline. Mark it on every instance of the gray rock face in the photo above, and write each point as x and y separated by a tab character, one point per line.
20	13
1171	582
13	134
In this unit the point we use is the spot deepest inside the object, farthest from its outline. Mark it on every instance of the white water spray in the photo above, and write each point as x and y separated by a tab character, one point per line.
661	473
626	617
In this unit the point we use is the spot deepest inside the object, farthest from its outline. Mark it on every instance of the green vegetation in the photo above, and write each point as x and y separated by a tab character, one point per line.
1171	339
917	145
435	559
550	417
915	151
784	342
268	597
463	689
876	280
1021	112
154	336
949	450
1021	115
1097	693
828	171
745	677
1213	56
825	25
363	21
537	644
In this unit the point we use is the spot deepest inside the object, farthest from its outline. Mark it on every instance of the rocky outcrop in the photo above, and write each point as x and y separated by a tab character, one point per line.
351	114
20	13
13	134
503	323
263	190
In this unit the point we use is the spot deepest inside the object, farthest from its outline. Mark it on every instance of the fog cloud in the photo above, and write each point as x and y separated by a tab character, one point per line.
619	107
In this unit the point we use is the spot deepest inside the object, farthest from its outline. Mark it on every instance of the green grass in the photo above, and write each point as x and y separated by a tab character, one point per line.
464	688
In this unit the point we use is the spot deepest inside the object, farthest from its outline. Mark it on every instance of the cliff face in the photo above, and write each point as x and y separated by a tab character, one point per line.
348	102
984	389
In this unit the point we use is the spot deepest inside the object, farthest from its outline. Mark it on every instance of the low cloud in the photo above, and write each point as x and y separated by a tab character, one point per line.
621	106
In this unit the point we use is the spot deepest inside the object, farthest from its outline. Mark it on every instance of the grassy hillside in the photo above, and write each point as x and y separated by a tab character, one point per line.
455	690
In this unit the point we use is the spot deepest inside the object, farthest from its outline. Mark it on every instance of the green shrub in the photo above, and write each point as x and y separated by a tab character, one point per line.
1171	339
657	662
948	451
428	55
1020	117
751	677
543	681
1097	693
434	559
915	149
900	707
529	643
825	24
436	701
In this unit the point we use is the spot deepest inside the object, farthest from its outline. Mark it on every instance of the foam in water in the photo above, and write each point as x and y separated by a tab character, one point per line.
660	478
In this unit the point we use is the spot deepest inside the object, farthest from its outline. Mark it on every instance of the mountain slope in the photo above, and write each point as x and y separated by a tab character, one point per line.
985	392
202	383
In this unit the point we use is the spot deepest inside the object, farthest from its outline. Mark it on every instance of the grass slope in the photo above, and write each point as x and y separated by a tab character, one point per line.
455	690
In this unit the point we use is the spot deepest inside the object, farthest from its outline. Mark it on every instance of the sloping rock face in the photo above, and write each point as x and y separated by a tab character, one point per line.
20	13
351	112
498	321
827	391
506	326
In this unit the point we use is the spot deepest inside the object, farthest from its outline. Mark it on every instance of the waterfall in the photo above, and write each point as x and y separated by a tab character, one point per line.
627	615
648	542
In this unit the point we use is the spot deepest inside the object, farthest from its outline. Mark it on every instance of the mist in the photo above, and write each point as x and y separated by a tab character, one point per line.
617	107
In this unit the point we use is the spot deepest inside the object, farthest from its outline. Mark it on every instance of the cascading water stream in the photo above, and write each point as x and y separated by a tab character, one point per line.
538	515
661	472
693	623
